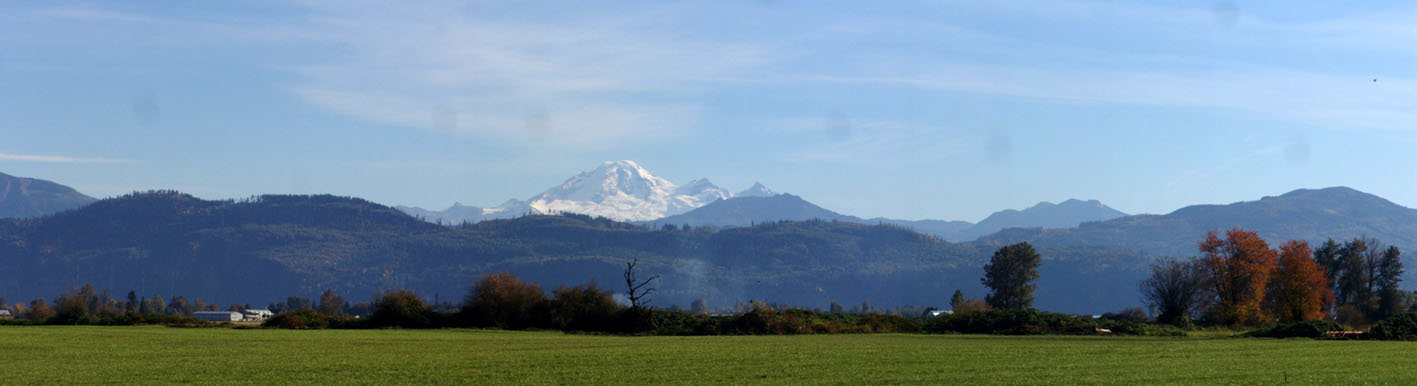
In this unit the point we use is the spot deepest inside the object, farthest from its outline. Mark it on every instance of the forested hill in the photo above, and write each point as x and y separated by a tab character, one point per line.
269	247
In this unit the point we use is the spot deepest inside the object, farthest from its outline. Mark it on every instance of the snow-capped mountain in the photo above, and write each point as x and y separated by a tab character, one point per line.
623	190
757	190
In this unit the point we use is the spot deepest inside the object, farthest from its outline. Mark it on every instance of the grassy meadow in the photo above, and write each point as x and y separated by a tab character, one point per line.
164	355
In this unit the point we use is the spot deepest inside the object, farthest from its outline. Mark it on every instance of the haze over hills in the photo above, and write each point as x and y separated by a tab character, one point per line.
30	197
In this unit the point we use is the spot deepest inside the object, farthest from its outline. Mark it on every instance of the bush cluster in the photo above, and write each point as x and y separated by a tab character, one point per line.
124	319
306	318
1314	329
762	320
1035	322
1398	327
1015	322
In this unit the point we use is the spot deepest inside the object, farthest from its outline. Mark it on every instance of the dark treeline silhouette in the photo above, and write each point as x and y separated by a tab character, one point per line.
504	301
85	305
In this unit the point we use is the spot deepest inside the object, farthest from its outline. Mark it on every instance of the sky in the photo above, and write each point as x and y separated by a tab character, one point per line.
913	110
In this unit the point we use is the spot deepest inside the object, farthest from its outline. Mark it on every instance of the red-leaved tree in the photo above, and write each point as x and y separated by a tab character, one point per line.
1299	289
1240	267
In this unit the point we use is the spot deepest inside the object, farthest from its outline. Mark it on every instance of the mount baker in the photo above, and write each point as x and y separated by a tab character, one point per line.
620	190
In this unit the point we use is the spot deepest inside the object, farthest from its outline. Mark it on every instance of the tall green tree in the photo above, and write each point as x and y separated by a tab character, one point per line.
1010	275
1327	256
957	300
1353	276
1389	274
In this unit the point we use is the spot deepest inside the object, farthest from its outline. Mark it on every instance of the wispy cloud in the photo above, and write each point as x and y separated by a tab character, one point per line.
595	81
62	159
92	14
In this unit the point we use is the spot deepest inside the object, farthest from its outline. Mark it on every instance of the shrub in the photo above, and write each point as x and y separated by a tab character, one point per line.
1144	329
402	308
1398	327
1127	315
503	301
1306	329
134	318
582	308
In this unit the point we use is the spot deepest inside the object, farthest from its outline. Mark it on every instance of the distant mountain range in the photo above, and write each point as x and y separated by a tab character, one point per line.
1066	214
744	211
626	191
29	197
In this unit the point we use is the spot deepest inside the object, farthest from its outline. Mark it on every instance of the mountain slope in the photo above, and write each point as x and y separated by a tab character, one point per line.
744	211
29	197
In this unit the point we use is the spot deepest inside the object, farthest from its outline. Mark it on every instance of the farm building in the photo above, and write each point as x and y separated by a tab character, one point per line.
5	314
218	316
257	315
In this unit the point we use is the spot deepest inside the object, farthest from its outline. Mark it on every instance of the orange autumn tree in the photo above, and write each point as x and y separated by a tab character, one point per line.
1299	289
1240	267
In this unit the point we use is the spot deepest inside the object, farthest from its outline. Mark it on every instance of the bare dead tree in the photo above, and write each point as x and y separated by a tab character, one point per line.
638	292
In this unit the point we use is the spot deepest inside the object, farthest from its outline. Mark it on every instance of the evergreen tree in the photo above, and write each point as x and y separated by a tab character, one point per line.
1389	274
1010	275
957	300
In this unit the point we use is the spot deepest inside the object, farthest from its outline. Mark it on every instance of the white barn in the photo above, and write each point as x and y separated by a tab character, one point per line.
257	314
218	316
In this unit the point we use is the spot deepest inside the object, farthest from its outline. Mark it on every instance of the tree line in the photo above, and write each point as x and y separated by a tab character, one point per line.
1239	280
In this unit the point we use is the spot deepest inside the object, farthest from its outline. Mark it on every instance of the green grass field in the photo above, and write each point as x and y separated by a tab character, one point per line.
155	355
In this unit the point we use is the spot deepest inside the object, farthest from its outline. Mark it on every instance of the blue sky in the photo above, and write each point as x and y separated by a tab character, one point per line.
945	110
